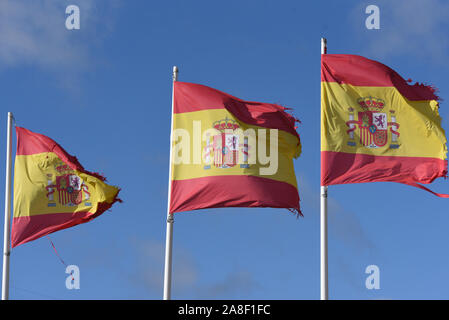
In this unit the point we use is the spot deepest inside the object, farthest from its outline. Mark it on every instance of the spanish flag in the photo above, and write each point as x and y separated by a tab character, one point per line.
52	191
377	127
231	153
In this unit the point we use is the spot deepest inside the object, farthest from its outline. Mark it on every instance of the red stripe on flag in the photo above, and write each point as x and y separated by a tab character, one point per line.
232	191
341	168
359	71
29	143
29	228
191	97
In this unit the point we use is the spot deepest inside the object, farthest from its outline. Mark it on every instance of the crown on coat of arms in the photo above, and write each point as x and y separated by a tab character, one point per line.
62	168
224	124
371	104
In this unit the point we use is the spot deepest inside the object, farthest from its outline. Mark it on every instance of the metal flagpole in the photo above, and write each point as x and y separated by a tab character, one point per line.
170	219
323	223
6	232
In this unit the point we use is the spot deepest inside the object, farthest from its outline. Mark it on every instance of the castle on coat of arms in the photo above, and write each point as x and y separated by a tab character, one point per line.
374	128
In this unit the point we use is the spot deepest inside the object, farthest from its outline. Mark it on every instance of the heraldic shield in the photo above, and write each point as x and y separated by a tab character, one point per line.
226	146
69	187
373	124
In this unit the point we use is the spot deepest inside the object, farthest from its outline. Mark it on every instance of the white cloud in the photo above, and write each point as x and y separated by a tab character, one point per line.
149	272
186	278
33	33
343	224
412	27
238	282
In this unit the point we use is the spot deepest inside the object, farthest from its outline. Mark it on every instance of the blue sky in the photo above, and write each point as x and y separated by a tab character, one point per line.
104	93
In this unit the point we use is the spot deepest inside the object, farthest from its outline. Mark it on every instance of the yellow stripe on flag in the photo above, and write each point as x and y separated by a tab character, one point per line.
196	123
420	131
35	190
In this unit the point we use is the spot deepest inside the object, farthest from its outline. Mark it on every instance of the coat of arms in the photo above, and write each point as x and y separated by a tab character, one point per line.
373	124
69	187
225	146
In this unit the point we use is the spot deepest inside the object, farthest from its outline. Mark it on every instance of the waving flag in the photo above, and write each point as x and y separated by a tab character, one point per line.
377	127
52	191
221	149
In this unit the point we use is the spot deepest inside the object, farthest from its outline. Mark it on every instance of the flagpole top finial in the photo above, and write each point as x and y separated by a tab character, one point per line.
323	45
175	73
